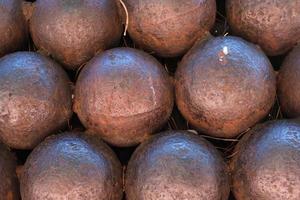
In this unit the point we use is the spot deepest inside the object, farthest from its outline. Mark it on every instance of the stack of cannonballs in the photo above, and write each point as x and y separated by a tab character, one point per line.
150	100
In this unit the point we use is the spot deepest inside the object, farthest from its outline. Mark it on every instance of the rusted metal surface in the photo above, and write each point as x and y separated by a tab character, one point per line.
72	166
273	24
124	95
289	84
176	165
169	28
9	185
13	27
74	31
35	99
27	8
267	162
224	86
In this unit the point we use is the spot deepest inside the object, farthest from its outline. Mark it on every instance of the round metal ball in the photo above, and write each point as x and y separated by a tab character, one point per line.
72	166
13	27
124	95
224	86
73	31
273	24
266	164
169	28
35	99
176	165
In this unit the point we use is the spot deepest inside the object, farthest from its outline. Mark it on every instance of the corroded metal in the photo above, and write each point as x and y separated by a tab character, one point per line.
169	28
73	31
266	164
9	185
224	86
72	166
273	24
13	27
176	165
35	99
124	95
289	84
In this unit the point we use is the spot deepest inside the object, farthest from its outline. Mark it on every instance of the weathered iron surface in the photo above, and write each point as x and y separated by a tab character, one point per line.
266	165
124	95
72	166
273	24
169	28
289	84
35	99
9	185
13	27
224	86
176	165
73	31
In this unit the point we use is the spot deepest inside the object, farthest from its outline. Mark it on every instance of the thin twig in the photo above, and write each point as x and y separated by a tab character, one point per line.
221	139
166	68
125	43
79	69
278	114
174	123
219	13
243	133
232	155
192	131
127	16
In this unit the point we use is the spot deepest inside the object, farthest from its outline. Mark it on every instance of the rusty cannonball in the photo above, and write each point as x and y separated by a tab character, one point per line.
13	28
72	166
266	165
72	31
169	28
224	86
35	99
9	186
273	24
123	95
289	84
176	165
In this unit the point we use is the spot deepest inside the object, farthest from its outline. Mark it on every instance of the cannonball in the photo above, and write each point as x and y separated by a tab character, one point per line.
266	163
73	31
123	95
13	27
176	165
224	86
169	28
273	24
72	166
35	99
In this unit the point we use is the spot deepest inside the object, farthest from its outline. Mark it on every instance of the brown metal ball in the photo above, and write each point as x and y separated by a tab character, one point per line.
124	95
266	165
169	28
35	99
74	31
9	185
224	86
176	165
72	166
13	27
273	24
288	84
